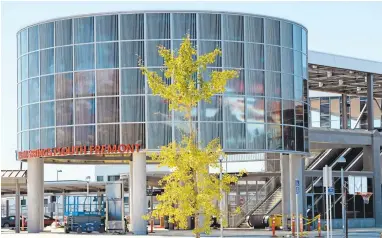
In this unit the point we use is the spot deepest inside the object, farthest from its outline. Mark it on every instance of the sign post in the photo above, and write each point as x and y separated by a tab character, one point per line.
297	193
328	181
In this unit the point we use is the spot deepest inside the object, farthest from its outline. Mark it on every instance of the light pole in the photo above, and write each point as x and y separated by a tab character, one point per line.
58	171
87	185
342	160
221	194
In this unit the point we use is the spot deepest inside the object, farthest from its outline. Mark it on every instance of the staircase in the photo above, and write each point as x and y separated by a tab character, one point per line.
268	204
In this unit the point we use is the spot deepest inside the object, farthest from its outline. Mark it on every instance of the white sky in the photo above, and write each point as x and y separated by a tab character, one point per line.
345	28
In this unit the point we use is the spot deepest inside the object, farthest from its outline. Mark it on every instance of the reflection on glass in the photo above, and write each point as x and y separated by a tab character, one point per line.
47	61
33	64
18	119
233	54
159	134
132	26
107	82
209	46
133	82
273	58
34	139
84	84
297	38
256	136
254	29
64	136
273	84
47	114
64	112
47	88
210	131
19	70
160	72
24	42
34	90
288	112
83	30
107	28
299	139
48	137
24	93
234	136
234	108
134	133
304	67
255	83
272	32
286	34
108	134
255	56
84	57
210	26
107	55
184	23
304	41
182	129
85	135
287	84
33	38
299	110
298	88
212	111
287	65
133	109
131	52
335	113
255	109
306	140
34	116
233	27
24	118
64	59
236	85
274	136
158	25
25	141
274	111
108	110
64	85
63	32
46	33
85	111
289	138
297	63
24	67
153	58
157	109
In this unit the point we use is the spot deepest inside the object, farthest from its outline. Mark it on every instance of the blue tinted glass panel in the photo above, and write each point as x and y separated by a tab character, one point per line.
34	90
34	116
46	35
24	67
107	55
286	34
184	23
33	38
64	86
24	42
85	111
107	28
256	136
83	30
158	25
297	38
64	113
273	84
133	104
108	134
85	135
274	133
273	58
233	54
153	58
108	109
304	41
210	26
18	70
47	61
24	92
64	32
84	84
131	52
157	109
254	56
234	136
133	81
25	118
272	32
33	64
210	131
209	46
273	111
19	95
47	88
233	27
25	141
47	114
134	133
34	139
84	57
254	29
159	134
64	59
64	136
18	119
48	137
132	27
298	63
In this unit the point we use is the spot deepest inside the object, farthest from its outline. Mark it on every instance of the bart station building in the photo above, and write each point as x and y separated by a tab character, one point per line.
83	100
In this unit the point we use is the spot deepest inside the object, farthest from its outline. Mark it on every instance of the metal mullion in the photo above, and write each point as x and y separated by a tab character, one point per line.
265	89
119	78
54	83
95	77
73	85
146	124
39	83
198	139
172	80
223	67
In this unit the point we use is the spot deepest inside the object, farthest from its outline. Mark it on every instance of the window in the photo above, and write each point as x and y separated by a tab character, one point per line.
236	85
47	61
24	92
297	38
158	25
64	136
83	30
64	85
210	26
255	83
107	55
107	28
304	41
63	32
273	84
289	138
25	140
64	59
85	135
99	178
24	42
133	109
274	133
184	23
287	85
107	82
272	32
33	64
233	27
108	109
84	57
24	67
297	63
47	88
274	111
153	58
288	112
134	133
210	131
254	29
273	58
24	118
255	109
234	108
46	32
34	116
254	56
209	46
234	136
233	54
212	111
34	90
286	34
157	109
159	134
34	139
47	114
113	178
85	111
131	53
132	27
84	84
33	38
64	112
48	138
256	136
108	134
133	82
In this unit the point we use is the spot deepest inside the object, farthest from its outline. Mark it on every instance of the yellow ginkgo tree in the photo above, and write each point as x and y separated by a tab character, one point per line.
189	190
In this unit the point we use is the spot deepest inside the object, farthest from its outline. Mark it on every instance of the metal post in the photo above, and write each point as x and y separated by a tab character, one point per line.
344	112
327	213
246	195
330	216
343	200
370	100
17	207
298	223
221	200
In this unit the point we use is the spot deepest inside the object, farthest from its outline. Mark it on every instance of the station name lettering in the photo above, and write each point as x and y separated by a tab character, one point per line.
80	150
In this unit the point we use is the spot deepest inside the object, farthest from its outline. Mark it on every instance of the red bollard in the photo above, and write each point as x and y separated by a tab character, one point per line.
273	226
22	223
293	226
152	225
319	225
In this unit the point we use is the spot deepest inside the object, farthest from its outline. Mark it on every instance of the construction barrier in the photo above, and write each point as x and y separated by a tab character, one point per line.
293	226
319	225
274	226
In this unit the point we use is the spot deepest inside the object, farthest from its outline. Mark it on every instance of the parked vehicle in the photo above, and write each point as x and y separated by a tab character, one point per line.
10	221
48	220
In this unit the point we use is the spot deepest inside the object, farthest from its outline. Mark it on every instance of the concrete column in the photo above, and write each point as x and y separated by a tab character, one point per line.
7	207
296	171
285	186
139	194
35	178
17	207
131	194
344	113
370	101
42	207
63	206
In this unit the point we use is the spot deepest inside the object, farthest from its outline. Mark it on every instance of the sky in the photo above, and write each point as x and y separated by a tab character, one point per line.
345	28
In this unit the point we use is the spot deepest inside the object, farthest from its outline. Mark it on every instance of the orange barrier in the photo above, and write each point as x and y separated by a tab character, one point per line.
152	225
22	223
293	226
301	224
161	222
273	226
319	225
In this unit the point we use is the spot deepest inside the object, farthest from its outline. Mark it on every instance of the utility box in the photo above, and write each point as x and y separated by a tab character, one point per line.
115	220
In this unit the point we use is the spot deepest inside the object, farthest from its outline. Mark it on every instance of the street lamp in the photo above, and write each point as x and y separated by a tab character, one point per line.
342	161
58	171
221	193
